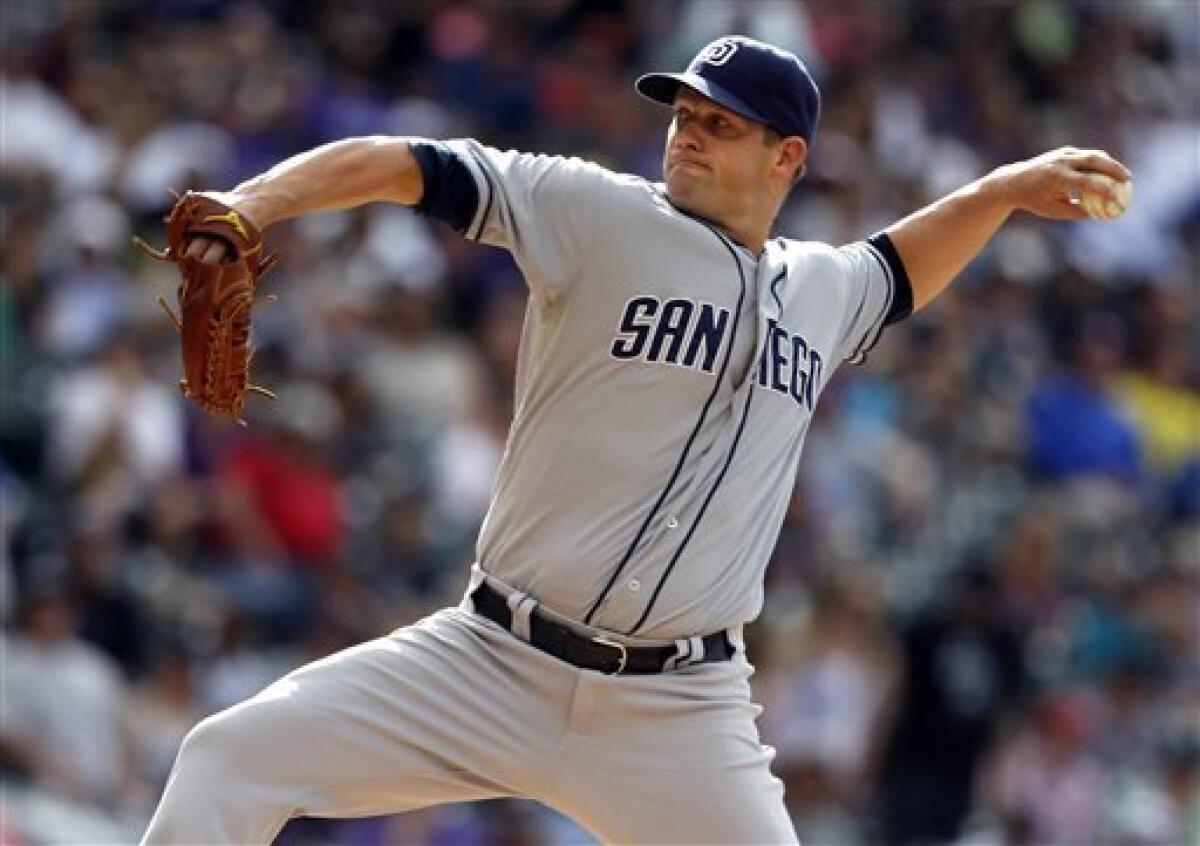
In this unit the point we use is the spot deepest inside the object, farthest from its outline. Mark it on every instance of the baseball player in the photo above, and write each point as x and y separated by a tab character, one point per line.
672	358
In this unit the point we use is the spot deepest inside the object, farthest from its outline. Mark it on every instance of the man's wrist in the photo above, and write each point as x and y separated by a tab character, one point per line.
255	208
999	187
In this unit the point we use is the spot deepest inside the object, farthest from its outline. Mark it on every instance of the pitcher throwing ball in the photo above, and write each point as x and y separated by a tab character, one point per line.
672	358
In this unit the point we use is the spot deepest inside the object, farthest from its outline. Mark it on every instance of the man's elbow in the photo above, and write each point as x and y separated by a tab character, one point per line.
399	175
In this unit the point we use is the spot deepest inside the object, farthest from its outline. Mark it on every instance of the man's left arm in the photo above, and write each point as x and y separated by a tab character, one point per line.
938	241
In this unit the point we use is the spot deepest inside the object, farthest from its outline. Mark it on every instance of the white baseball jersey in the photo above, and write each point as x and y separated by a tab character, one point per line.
665	383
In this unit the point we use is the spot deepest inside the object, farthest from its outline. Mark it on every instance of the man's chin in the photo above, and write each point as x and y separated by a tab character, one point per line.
683	198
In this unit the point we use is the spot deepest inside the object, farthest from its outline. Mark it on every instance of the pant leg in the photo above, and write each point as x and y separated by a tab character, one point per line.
670	759
442	711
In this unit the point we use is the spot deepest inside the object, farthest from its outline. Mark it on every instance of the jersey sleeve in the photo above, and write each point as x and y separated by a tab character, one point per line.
543	209
879	294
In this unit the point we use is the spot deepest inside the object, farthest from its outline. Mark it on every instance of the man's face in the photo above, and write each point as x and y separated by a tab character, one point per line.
716	162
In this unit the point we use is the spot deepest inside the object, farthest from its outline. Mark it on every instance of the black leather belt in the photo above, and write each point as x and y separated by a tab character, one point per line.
600	654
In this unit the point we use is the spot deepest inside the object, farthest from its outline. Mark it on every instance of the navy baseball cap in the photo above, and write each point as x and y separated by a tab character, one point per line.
753	79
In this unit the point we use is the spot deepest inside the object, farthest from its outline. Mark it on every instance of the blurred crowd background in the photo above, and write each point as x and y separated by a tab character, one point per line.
981	624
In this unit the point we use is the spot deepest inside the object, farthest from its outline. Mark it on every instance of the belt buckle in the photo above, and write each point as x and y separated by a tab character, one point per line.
620	647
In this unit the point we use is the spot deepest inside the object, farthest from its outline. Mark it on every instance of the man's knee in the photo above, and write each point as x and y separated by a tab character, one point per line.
217	792
217	746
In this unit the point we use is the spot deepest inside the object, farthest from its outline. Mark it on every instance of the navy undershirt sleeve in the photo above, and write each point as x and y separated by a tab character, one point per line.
902	298
450	193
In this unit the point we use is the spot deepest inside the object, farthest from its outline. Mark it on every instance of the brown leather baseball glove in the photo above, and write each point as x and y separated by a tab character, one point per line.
215	301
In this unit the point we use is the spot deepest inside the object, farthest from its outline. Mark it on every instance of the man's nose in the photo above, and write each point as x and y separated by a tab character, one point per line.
687	137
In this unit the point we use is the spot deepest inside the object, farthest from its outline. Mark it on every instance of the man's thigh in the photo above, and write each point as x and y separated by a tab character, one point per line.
440	711
671	759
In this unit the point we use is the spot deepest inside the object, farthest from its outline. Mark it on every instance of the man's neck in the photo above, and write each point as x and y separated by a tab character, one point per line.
751	235
752	229
751	240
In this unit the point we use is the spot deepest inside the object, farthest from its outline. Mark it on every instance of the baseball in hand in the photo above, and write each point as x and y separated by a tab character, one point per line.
1100	208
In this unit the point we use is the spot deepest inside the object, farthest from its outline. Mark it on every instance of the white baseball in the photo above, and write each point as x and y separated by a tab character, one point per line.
1099	208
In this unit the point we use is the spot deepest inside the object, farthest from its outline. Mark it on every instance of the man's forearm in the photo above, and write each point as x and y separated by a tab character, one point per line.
938	241
335	176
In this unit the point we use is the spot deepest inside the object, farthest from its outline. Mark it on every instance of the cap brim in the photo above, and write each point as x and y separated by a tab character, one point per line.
662	87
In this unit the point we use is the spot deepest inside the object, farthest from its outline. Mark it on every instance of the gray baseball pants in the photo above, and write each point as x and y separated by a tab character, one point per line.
454	709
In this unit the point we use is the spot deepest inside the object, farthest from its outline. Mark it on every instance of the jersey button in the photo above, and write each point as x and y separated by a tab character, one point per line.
672	523
634	585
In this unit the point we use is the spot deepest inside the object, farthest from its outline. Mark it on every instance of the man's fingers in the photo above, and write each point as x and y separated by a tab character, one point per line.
214	253
207	250
1080	182
1099	161
196	248
1068	210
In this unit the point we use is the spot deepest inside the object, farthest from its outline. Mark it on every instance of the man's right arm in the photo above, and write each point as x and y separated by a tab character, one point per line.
545	210
340	175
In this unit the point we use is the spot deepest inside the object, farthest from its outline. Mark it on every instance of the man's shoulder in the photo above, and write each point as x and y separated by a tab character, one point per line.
808	255
568	172
631	183
622	192
800	247
501	154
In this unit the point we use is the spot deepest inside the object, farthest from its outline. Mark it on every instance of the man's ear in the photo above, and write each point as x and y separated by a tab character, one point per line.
792	154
